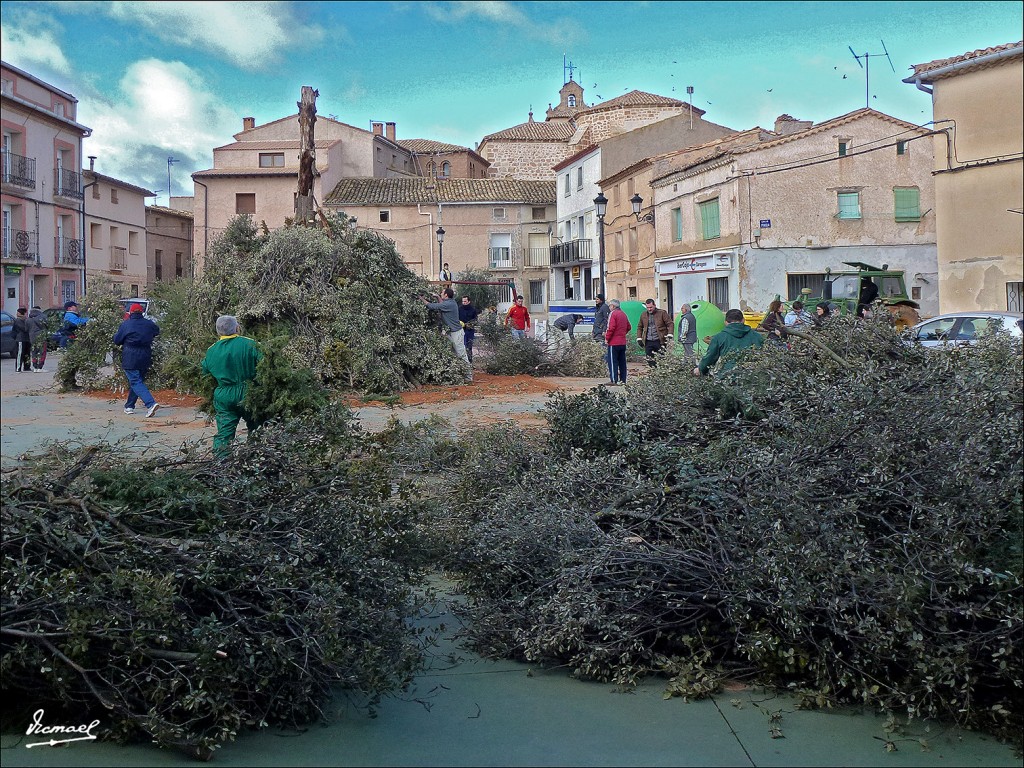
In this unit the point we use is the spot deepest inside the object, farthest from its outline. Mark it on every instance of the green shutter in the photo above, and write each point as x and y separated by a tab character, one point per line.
849	205
907	203
710	226
677	224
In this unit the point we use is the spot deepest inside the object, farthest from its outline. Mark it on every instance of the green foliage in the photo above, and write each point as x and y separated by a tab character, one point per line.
182	604
82	359
281	389
483	296
848	528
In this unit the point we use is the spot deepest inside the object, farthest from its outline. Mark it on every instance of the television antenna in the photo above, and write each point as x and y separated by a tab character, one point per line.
866	66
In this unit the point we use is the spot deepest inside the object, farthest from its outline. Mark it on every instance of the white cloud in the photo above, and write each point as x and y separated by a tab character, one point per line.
161	108
499	12
32	44
252	35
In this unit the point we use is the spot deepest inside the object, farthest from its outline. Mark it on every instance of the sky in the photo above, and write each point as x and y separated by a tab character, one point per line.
174	79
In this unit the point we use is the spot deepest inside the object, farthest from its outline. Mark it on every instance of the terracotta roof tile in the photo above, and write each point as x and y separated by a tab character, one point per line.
835	122
921	69
425	146
533	131
414	189
635	99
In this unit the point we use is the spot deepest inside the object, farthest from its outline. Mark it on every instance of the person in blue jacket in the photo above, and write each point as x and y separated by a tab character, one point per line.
72	322
135	337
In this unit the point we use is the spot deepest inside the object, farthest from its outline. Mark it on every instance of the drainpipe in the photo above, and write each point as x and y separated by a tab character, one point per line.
206	221
430	240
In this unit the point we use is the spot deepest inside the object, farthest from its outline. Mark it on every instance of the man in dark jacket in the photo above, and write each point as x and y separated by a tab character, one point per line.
601	313
687	330
467	316
568	323
653	331
725	345
868	294
449	311
135	337
23	350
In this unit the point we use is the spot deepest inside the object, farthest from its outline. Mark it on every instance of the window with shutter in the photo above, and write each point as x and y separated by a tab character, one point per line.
907	203
710	226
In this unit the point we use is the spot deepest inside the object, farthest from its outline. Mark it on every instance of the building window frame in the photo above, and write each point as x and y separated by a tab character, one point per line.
499	214
579	177
901	148
568	184
384	215
245	202
271	160
677	224
710	219
539	213
906	203
848	205
718	292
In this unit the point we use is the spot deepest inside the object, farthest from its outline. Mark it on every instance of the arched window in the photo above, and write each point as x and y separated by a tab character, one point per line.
446	169
572	100
431	169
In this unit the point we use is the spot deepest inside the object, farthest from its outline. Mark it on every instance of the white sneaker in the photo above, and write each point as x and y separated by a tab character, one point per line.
152	409
40	370
129	411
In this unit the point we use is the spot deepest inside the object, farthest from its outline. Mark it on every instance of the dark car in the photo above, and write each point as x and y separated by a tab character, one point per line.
8	346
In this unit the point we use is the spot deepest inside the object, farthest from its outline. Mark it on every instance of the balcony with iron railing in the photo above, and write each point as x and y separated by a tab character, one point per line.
19	171
68	252
500	258
572	252
536	258
20	246
67	184
118	258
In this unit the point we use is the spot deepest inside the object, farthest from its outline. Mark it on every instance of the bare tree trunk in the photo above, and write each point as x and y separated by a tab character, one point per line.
307	155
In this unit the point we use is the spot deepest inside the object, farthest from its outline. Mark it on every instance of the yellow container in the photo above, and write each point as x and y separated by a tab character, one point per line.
753	319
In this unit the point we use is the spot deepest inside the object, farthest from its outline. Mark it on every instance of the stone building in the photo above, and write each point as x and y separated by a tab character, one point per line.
978	106
529	150
257	174
764	213
498	225
439	160
168	244
43	204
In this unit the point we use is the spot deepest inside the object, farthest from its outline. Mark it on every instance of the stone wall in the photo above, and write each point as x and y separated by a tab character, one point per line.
605	124
524	159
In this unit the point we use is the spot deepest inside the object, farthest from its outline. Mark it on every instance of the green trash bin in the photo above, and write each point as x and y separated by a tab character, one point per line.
633	310
710	320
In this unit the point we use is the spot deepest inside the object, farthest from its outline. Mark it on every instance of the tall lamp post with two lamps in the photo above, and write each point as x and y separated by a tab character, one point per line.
440	251
601	204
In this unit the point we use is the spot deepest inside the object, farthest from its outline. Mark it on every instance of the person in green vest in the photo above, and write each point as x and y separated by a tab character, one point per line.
232	362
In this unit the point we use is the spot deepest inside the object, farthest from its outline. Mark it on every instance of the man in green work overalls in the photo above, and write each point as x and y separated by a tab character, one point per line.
232	362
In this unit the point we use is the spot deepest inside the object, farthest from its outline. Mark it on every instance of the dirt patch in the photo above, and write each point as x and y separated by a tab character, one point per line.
484	385
166	397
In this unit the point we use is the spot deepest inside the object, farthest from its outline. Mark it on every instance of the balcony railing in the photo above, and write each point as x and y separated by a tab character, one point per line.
68	252
572	252
118	257
19	170
20	245
536	257
67	183
500	258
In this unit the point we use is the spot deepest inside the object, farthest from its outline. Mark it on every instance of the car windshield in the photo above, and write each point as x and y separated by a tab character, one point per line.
936	330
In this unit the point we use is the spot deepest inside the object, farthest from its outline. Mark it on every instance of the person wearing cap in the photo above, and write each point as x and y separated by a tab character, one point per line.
601	314
653	331
135	337
72	322
232	362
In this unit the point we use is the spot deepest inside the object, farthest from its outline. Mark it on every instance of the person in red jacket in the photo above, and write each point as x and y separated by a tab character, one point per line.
519	318
618	329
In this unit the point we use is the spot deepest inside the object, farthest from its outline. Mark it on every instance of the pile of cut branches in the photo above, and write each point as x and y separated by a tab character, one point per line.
846	525
183	602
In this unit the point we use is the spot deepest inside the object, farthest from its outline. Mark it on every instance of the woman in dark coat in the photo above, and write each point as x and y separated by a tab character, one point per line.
774	323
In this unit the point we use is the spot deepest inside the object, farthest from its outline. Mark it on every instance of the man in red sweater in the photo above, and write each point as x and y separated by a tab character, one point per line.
519	317
618	328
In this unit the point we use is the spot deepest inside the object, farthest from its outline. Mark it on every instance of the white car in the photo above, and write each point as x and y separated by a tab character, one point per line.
956	328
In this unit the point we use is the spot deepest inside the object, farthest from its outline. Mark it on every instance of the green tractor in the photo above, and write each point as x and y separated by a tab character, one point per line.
843	291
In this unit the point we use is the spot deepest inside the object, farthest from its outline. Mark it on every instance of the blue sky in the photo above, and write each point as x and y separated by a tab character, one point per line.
159	79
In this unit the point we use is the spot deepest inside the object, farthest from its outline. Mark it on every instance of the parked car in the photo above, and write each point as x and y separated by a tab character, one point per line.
956	328
7	344
147	306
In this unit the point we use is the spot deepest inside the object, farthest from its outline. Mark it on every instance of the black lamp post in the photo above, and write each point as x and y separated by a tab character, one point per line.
637	202
601	203
440	250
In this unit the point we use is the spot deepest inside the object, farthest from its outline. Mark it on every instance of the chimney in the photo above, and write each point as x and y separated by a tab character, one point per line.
248	123
787	124
378	129
92	163
390	130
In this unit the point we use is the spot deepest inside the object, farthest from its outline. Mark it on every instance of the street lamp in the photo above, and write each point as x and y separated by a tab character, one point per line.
440	250
637	202
601	203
